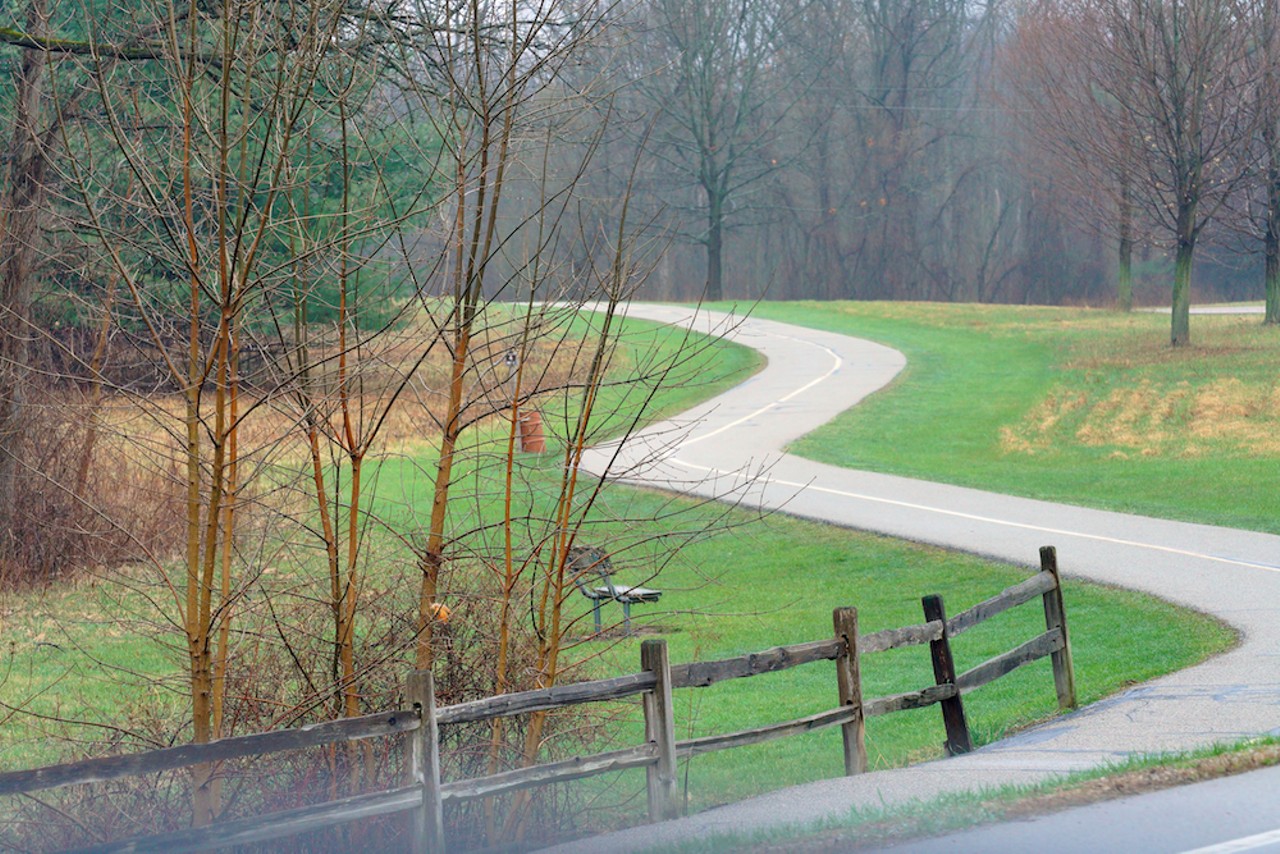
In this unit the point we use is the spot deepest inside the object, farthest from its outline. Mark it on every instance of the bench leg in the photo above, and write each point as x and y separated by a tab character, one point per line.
595	612
626	618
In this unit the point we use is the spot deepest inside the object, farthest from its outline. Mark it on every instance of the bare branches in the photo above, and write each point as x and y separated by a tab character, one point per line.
1146	98
318	245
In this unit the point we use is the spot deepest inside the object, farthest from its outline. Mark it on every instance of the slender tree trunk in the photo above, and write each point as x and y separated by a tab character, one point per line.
1272	315
1271	145
1124	275
348	320
19	219
1272	239
1180	323
351	596
827	243
715	247
222	652
433	555
201	675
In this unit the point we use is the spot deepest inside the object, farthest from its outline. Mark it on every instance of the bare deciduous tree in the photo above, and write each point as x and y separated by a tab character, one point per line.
1159	89
320	231
706	71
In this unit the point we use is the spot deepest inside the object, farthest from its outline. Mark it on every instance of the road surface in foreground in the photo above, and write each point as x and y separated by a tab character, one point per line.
1230	814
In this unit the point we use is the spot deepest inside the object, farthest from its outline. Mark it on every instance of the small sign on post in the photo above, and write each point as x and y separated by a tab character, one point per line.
512	360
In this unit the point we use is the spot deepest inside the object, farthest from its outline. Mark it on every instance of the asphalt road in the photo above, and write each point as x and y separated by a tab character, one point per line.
1230	814
733	448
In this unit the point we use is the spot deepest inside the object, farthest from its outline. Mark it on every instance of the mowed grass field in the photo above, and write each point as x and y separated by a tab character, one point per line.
743	585
1083	406
777	581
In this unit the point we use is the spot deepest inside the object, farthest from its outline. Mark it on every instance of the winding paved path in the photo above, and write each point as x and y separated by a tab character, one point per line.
733	447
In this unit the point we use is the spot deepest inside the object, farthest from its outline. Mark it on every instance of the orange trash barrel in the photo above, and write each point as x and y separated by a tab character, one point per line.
532	440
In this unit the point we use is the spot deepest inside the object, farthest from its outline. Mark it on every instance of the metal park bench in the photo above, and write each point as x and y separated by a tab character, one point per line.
593	574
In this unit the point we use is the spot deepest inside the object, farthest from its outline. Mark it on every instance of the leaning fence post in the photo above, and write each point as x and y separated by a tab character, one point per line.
424	765
660	728
944	673
1055	617
849	683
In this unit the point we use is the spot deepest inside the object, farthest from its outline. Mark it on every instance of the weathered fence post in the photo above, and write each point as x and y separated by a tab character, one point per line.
944	673
1055	617
849	683
660	728
424	765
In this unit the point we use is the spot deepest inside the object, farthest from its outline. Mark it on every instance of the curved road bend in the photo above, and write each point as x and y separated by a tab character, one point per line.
811	377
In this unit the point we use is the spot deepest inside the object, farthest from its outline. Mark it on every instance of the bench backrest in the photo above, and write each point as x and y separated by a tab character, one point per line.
586	563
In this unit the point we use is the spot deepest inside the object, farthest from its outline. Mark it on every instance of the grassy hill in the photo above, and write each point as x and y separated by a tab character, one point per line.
1082	406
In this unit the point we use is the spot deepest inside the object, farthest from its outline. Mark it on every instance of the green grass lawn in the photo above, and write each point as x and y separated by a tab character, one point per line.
1083	406
739	584
106	649
778	583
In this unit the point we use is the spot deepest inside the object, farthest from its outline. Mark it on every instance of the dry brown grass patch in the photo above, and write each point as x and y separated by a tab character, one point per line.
1156	419
1037	430
408	412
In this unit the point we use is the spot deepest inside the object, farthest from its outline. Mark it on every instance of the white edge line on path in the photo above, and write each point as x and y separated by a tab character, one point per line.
1244	843
837	363
993	521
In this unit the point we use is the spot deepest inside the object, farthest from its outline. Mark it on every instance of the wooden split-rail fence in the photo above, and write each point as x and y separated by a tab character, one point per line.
424	793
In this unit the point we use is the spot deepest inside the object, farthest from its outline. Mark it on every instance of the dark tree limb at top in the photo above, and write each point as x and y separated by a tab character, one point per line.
52	44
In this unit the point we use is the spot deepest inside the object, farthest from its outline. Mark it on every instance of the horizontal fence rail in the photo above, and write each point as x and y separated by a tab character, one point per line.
425	793
551	772
758	735
992	669
910	700
543	699
701	674
895	638
275	825
1037	585
170	758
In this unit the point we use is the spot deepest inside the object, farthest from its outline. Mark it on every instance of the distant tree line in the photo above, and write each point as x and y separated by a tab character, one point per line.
1057	151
